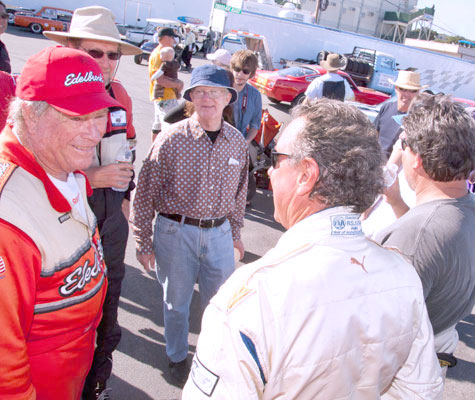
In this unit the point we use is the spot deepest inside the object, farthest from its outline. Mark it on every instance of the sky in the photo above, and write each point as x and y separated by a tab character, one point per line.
456	16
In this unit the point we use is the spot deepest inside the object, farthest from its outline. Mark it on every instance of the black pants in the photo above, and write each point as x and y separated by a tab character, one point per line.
186	56
114	231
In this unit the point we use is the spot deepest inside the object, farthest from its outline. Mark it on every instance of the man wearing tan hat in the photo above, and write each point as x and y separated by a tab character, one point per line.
330	85
93	31
407	87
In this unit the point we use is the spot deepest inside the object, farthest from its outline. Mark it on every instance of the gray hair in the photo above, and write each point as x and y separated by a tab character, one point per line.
15	112
344	143
443	134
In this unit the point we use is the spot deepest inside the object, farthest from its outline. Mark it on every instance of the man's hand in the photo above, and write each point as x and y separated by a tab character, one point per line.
112	175
392	195
147	261
238	245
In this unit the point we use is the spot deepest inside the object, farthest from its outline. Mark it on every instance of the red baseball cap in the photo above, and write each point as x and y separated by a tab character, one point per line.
69	80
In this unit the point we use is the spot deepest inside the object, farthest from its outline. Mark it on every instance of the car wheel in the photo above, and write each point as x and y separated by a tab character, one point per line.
272	100
194	50
36	28
138	59
298	100
11	17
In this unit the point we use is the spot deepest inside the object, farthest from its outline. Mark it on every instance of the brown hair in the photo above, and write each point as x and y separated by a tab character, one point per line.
245	59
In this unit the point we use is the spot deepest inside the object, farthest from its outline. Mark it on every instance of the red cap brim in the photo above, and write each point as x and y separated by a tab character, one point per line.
85	104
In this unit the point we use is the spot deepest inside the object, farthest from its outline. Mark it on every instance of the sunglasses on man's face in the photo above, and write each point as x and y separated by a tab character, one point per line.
274	158
403	144
97	54
4	16
245	71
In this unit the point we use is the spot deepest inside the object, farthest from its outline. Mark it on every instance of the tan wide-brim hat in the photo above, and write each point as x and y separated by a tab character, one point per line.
93	23
409	80
332	63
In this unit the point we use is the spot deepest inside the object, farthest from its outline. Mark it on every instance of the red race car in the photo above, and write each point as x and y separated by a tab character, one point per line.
289	84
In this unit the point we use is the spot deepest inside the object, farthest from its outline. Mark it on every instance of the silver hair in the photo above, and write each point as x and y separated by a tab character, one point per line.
15	112
344	143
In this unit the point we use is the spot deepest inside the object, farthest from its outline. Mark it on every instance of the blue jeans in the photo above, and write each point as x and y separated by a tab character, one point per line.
184	253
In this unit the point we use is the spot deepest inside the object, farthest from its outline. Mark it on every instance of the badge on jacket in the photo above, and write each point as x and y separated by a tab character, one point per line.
118	118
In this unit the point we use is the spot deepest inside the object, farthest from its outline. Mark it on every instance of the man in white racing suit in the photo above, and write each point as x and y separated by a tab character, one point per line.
326	314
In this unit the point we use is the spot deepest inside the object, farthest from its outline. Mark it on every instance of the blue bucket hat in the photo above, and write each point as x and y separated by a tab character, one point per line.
211	76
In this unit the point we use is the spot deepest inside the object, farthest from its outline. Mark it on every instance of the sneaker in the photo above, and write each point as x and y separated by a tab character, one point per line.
179	371
100	393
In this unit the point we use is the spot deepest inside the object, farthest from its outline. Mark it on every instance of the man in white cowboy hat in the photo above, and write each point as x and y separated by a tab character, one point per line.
331	84
195	179
93	31
407	87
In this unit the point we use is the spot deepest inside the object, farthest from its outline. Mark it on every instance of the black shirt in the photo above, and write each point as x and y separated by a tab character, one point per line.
4	59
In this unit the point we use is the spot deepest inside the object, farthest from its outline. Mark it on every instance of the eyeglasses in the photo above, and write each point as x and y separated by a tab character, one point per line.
404	144
96	53
4	16
402	90
245	71
274	158
212	94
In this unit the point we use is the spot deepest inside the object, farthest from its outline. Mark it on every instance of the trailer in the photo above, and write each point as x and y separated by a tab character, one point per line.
299	38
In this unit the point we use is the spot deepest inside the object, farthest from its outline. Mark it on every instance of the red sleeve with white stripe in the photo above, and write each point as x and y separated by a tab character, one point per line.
20	267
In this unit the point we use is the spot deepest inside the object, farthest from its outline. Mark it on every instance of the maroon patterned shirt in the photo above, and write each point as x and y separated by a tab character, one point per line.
185	173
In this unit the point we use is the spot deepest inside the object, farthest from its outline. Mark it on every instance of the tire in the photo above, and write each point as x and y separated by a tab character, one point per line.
349	65
361	67
356	65
272	100
367	67
194	50
11	17
138	59
322	55
36	28
297	100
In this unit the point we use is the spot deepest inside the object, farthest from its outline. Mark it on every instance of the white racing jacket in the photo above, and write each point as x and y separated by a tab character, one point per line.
327	314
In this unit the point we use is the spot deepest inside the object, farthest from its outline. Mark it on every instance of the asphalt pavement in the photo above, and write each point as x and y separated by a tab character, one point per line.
140	364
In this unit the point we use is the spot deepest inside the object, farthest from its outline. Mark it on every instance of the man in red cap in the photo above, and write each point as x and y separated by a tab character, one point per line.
52	275
93	30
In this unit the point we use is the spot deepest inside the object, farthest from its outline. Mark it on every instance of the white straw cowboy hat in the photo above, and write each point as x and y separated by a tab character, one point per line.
94	23
409	80
332	63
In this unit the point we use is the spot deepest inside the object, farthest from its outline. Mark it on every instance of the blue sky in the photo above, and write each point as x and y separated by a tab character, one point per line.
457	16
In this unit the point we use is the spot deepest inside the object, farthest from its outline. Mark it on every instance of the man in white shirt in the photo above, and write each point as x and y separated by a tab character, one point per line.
331	84
327	313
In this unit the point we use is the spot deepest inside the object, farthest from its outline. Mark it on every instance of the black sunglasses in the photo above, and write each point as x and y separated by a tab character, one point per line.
111	55
404	144
4	16
246	71
274	158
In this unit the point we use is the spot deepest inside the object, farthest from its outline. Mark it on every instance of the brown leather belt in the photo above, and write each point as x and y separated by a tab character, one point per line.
200	223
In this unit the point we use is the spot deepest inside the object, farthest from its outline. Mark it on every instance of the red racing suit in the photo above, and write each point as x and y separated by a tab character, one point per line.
52	282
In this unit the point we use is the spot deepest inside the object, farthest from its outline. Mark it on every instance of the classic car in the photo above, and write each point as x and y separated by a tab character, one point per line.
46	19
12	10
289	84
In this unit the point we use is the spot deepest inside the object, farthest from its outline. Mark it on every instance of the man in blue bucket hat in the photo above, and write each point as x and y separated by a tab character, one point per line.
195	179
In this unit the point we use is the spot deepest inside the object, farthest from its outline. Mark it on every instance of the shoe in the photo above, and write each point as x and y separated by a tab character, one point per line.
100	393
179	371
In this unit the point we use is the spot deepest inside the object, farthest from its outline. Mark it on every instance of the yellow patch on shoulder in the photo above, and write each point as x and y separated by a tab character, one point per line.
237	297
6	170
